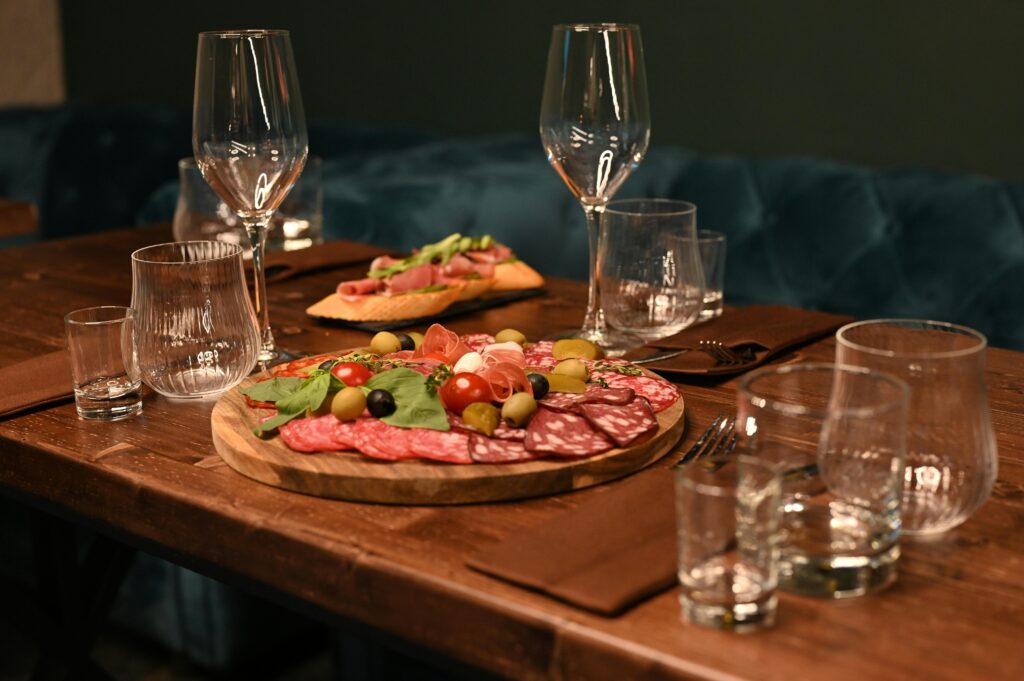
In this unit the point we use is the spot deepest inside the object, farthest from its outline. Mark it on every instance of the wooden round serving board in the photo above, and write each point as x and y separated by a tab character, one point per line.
351	476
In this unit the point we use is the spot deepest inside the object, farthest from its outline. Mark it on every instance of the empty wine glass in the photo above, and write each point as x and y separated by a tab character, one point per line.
249	135
595	125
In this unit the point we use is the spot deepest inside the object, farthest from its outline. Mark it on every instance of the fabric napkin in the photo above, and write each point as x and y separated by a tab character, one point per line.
605	555
33	382
760	331
283	265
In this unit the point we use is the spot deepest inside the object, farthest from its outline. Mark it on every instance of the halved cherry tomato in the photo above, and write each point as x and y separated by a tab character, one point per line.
463	389
351	373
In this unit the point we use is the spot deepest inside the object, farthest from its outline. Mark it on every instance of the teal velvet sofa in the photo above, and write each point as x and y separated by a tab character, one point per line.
801	231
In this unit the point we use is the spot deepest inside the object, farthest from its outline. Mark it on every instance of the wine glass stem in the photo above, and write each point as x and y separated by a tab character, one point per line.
593	322
257	229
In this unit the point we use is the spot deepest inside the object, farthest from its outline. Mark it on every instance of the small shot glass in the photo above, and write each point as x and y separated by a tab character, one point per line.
104	365
712	256
728	524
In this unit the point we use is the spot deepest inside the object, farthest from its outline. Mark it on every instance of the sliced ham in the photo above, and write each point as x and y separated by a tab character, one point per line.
413	278
359	287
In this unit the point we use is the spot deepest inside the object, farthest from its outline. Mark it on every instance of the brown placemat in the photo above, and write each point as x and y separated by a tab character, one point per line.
284	265
608	554
34	382
760	332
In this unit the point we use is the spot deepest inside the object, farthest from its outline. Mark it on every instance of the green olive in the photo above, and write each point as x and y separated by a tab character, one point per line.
572	367
571	348
483	416
348	404
385	343
417	338
518	409
507	335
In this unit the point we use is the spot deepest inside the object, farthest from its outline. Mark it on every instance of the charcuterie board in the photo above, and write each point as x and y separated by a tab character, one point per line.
354	477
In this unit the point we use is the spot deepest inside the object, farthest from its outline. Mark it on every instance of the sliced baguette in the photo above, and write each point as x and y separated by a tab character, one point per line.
377	308
516	275
474	288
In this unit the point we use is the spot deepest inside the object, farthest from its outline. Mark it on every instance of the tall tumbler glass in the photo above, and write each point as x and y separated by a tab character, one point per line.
837	433
195	329
951	448
649	269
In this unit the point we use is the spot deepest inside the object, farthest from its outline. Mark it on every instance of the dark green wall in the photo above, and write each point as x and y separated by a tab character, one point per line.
886	83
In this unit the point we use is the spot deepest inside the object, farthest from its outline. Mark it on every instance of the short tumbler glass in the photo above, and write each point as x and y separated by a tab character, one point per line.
727	520
195	328
837	433
104	364
712	258
649	271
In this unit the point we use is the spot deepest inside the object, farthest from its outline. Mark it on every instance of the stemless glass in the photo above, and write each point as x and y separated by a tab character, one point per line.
650	277
195	330
951	448
249	135
595	124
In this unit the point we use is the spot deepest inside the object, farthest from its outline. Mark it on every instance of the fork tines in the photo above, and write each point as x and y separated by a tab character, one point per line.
716	442
721	353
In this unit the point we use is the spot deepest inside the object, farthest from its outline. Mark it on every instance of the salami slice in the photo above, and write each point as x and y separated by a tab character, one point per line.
595	394
377	439
624	424
296	434
437	445
485	449
564	434
658	391
320	434
477	341
502	432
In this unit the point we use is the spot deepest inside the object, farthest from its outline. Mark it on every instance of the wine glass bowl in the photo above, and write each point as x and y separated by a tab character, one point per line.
249	134
595	124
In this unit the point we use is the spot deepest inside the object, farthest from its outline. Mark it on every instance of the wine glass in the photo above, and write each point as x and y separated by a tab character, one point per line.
595	126
249	135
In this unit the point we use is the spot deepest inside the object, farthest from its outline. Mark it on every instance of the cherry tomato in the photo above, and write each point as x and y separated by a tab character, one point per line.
351	373
462	390
439	356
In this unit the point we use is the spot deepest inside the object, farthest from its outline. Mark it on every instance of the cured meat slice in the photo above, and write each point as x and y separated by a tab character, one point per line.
377	439
451	446
562	401
541	350
502	432
658	391
485	449
296	435
624	424
477	341
564	434
595	394
320	434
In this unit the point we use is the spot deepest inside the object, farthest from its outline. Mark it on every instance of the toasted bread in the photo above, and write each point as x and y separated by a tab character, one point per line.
515	276
474	288
379	308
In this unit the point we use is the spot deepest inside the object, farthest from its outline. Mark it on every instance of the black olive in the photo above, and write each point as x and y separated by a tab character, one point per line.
326	364
406	340
380	403
539	384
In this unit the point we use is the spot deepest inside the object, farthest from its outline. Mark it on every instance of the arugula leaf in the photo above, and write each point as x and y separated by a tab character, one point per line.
415	406
273	390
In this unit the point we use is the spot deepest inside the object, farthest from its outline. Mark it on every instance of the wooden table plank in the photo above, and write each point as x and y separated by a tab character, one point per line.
956	613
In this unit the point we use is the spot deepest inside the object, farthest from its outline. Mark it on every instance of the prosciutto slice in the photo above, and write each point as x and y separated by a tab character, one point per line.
359	287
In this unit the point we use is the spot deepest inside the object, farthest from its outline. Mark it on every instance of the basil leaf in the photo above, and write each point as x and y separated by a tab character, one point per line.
273	390
415	406
308	397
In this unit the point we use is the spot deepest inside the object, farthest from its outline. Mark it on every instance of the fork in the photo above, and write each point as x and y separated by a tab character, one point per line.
716	442
721	353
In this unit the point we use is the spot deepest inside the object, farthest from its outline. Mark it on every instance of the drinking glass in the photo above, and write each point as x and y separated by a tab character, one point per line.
838	433
951	449
104	364
595	125
650	278
195	330
727	530
712	257
249	135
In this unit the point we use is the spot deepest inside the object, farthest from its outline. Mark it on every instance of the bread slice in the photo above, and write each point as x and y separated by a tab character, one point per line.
474	288
377	308
515	276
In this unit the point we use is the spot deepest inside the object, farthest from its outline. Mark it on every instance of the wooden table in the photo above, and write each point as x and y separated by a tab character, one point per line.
956	613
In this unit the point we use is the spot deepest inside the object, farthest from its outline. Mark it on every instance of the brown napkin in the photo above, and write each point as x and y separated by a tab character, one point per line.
35	381
283	265
758	331
606	555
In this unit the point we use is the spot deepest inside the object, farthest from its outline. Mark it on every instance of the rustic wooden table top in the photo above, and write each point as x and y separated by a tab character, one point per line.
956	613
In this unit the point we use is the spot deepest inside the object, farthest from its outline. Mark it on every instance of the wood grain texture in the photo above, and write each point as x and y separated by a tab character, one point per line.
354	477
956	614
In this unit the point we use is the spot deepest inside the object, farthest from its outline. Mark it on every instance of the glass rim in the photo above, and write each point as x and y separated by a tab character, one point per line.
709	235
946	327
235	250
127	313
678	207
601	26
245	33
793	408
728	489
190	162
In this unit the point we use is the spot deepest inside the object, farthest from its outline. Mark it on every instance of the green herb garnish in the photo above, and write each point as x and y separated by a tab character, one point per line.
416	406
624	369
